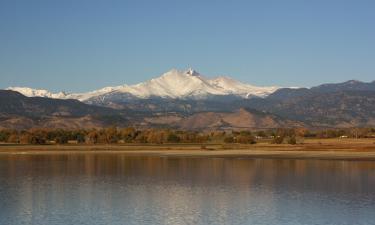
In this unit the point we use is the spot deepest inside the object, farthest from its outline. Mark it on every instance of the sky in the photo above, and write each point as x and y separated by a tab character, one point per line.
78	45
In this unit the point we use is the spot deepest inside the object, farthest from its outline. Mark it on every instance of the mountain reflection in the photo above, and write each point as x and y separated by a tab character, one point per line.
112	188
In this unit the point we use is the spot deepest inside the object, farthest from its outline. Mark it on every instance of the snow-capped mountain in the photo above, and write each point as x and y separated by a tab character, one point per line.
174	84
29	92
231	86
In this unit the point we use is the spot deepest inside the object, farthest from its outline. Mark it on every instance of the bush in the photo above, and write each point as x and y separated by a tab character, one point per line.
278	140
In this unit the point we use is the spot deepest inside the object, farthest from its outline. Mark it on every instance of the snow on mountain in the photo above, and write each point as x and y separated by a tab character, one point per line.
29	92
231	86
191	84
173	84
86	96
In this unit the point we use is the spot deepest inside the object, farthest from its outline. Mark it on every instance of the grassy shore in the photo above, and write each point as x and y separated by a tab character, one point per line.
349	149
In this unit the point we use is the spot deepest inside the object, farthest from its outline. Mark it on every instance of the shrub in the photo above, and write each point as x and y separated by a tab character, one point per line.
278	140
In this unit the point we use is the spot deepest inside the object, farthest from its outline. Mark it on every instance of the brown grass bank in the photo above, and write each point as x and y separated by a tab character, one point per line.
348	149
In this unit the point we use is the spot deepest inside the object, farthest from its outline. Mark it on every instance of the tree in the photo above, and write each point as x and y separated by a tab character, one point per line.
25	138
141	137
201	138
110	135
173	138
13	138
245	139
92	137
278	140
4	135
128	134
261	133
80	138
292	140
37	140
229	139
156	136
62	139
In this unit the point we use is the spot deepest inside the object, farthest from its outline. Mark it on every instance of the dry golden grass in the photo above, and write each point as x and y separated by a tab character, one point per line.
311	148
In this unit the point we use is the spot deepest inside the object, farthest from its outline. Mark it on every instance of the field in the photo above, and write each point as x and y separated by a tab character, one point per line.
350	149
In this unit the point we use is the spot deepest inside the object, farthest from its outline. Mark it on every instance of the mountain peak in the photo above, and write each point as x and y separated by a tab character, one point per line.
172	84
192	72
175	74
352	82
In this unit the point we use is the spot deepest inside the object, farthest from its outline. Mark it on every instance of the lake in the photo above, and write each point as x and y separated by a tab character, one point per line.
119	189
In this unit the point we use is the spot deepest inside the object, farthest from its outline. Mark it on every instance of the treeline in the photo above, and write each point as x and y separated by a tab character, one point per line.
291	136
332	133
114	135
101	136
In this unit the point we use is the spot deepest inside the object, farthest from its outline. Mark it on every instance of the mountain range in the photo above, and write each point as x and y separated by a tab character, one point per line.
173	84
189	100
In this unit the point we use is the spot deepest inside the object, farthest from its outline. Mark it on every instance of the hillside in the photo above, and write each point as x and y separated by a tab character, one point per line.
333	109
18	111
240	119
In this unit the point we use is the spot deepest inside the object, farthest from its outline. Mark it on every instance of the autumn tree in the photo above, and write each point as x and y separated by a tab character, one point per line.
128	134
245	139
4	135
292	140
92	137
173	138
25	138
13	138
109	135
157	136
229	139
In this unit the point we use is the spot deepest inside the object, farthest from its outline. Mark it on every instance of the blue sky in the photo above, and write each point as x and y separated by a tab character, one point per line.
77	45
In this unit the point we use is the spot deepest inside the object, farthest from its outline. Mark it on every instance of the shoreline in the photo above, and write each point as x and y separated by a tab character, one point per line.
314	155
325	151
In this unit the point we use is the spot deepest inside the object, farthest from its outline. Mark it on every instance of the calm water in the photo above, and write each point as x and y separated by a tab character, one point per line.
118	189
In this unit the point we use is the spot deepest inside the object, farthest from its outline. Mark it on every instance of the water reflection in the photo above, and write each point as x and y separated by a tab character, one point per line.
118	189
